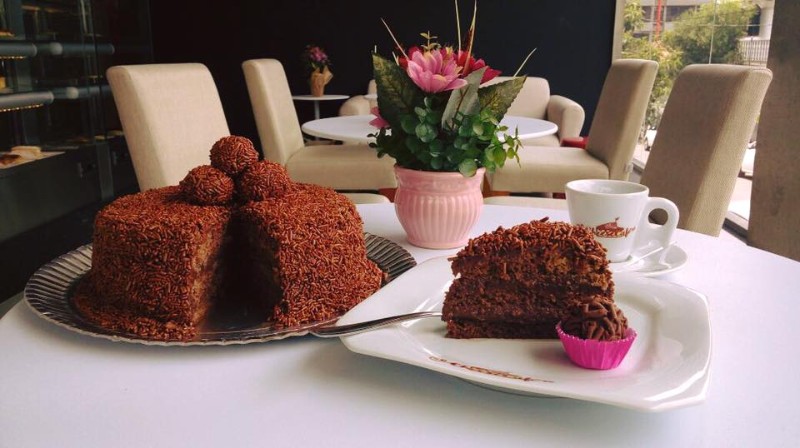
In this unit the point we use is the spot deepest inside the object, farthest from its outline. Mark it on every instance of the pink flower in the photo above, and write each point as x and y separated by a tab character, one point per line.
378	121
467	68
434	71
403	62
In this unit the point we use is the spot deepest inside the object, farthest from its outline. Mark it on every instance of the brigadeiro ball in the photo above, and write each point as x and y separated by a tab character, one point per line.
595	334
233	154
206	185
263	180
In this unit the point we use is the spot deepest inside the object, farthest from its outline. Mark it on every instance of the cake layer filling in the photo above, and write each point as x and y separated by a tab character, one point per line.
467	329
513	302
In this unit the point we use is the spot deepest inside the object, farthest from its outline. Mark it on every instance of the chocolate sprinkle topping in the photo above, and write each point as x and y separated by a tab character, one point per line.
206	185
597	319
233	154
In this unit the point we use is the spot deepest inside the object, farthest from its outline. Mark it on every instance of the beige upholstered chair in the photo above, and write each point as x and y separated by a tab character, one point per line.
700	143
612	138
171	115
342	167
701	140
367	198
535	101
358	104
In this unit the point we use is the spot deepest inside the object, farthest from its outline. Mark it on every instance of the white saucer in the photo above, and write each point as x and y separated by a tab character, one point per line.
674	259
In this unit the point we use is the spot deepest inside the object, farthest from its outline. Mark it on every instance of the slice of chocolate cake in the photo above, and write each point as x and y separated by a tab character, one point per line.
519	282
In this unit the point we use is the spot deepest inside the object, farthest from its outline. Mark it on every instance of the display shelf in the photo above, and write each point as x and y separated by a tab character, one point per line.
83	92
19	101
16	49
69	49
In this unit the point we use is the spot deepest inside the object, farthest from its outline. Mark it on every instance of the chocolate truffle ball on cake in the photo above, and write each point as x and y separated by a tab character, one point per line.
233	154
520	282
263	180
206	185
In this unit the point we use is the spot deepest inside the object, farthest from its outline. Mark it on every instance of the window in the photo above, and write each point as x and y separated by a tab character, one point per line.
696	32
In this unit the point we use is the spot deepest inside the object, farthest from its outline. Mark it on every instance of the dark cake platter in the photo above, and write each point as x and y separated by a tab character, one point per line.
668	366
48	293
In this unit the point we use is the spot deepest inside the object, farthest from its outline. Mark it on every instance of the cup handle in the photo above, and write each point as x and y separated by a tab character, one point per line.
654	235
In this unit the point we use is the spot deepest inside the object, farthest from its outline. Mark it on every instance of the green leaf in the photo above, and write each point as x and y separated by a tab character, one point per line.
408	123
425	132
497	98
397	93
436	163
465	99
488	154
499	155
467	168
413	144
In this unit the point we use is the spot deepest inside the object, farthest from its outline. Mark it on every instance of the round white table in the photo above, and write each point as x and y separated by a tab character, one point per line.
317	99
59	388
355	128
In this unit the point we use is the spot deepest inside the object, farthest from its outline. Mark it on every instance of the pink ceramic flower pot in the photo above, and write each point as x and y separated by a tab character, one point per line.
437	210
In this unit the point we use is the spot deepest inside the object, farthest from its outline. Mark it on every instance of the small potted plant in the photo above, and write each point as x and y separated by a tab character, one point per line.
318	66
441	124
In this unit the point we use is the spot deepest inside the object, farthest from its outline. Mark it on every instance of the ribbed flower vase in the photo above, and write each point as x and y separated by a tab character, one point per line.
437	210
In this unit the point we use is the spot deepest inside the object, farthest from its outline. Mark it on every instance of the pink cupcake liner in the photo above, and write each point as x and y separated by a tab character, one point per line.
598	355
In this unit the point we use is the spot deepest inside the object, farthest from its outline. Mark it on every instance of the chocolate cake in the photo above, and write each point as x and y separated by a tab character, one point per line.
520	282
238	233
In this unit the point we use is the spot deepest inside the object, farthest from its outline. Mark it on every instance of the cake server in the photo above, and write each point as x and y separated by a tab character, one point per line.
334	331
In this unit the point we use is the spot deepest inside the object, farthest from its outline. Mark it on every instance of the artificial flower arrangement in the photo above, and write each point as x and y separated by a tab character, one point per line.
315	59
433	114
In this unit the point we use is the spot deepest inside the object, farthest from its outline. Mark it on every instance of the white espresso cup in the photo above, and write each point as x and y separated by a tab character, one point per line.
617	212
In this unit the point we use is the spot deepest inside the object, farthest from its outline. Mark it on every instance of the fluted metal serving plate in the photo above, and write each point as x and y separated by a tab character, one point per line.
48	292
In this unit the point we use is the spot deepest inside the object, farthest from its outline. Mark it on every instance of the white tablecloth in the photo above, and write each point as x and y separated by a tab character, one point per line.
58	388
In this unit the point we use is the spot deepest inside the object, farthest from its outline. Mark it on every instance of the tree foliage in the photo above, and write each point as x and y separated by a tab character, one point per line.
668	58
689	42
711	33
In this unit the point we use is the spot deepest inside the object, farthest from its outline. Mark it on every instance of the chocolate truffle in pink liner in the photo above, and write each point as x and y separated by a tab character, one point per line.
596	335
263	180
233	154
206	185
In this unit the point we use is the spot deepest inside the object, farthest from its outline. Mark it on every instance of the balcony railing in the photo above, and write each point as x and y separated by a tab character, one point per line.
754	51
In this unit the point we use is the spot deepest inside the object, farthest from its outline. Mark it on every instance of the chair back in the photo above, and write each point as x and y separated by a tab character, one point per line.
620	113
273	108
701	140
532	99
171	115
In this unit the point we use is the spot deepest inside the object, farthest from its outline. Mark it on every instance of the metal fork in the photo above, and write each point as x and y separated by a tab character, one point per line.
334	331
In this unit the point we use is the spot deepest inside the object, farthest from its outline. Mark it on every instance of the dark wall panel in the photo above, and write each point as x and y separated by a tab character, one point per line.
572	40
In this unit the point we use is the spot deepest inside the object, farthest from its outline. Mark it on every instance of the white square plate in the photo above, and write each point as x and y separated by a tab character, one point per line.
667	367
